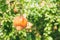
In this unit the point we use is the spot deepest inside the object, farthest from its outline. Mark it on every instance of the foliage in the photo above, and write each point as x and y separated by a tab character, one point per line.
44	14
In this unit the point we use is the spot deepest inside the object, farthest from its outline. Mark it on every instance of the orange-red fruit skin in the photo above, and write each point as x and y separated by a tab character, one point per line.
20	21
19	28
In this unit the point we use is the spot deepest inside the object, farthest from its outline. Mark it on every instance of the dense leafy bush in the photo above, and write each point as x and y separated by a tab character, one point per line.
43	14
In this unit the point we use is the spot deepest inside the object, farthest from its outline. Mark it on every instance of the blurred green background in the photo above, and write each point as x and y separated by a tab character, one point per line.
43	14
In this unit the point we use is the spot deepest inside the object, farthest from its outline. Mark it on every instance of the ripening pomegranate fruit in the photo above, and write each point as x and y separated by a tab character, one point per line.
29	25
15	10
20	22
19	28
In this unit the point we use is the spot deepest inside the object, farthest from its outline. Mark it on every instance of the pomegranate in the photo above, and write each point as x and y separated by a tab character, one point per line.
20	22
